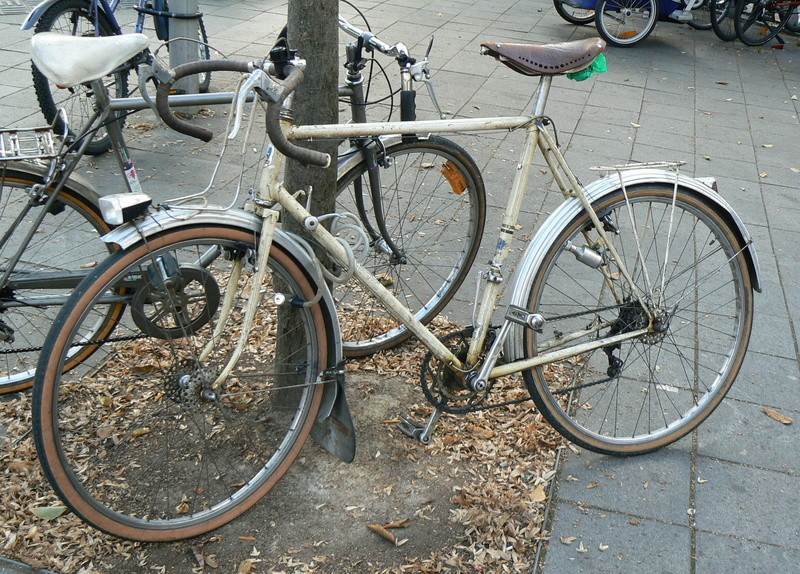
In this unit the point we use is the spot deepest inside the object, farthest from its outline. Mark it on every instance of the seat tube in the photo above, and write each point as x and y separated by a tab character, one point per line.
114	129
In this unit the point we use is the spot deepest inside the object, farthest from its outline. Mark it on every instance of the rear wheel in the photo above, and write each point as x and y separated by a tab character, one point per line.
640	394
65	246
625	23
142	441
73	17
757	22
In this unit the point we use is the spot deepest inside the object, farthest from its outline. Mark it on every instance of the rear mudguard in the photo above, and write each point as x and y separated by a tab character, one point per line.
547	233
334	428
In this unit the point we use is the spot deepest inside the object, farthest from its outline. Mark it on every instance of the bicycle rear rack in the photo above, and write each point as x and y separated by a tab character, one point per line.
27	143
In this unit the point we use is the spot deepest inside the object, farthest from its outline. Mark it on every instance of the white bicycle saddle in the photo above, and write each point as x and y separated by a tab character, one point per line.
71	60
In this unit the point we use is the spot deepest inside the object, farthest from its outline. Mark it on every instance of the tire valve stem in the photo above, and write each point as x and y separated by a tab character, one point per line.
585	255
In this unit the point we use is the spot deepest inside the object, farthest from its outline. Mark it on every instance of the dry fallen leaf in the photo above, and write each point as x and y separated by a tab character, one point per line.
781	418
568	539
539	494
404	523
381	531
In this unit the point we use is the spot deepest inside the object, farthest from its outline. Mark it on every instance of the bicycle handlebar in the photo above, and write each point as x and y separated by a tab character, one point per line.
164	87
294	77
398	51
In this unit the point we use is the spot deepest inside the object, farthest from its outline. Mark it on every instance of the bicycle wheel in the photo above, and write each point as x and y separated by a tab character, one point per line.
64	246
647	392
573	14
757	22
73	17
722	21
625	23
139	441
701	15
434	207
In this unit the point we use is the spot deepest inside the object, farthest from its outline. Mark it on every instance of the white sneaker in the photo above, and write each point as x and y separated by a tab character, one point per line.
681	15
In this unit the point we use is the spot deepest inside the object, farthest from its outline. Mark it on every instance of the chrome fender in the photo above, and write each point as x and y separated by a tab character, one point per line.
76	182
334	429
546	234
34	15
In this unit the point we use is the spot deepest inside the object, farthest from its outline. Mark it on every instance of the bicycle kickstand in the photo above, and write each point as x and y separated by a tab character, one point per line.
417	431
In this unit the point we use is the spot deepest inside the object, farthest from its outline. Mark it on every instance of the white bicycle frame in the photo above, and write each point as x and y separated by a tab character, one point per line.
271	189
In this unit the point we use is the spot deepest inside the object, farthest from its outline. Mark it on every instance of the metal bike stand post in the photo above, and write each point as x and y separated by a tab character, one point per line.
183	51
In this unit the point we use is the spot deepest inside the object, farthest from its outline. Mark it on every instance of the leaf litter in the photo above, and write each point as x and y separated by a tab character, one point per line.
505	456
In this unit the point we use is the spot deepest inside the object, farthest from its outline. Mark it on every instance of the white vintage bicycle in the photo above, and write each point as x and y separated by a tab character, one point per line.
630	316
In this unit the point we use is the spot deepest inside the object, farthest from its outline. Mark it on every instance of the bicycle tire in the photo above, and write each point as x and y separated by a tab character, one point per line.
650	391
722	21
73	17
68	241
757	22
701	15
138	441
625	23
573	15
435	210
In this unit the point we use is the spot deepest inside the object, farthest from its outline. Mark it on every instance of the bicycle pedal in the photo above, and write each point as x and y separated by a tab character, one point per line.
410	428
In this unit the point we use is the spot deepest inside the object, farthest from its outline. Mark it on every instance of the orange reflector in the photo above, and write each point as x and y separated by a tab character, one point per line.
457	180
629	34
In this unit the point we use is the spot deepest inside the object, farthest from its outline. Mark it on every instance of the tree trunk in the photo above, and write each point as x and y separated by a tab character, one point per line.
313	32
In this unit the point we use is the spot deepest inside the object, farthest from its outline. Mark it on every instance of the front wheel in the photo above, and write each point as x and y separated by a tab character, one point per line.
148	439
640	394
572	13
625	23
429	196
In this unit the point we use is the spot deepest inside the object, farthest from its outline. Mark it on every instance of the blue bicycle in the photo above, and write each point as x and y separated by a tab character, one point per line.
97	18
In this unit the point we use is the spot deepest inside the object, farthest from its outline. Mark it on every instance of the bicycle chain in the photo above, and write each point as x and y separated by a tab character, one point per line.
83	344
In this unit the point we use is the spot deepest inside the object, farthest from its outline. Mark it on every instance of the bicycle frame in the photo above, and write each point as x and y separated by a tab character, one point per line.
537	137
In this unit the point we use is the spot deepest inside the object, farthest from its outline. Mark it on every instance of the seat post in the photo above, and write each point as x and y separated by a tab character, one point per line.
541	94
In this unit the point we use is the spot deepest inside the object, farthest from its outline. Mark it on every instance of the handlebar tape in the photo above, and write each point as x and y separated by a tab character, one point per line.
294	77
162	94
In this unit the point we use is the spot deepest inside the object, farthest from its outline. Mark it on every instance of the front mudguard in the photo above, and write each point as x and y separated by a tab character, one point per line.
547	233
33	16
334	429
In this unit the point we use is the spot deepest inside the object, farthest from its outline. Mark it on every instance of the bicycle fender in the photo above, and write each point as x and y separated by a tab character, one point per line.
76	182
546	234
334	429
33	16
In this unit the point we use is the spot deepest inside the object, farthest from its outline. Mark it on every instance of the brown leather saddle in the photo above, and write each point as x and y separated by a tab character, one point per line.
546	59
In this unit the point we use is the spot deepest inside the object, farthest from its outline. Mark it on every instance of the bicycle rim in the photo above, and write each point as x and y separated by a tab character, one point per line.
625	23
139	441
649	391
66	243
434	210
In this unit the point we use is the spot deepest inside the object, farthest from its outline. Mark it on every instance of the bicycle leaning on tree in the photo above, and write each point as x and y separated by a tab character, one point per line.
629	318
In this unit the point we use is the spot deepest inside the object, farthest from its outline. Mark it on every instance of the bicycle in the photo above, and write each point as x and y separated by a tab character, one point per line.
629	318
98	18
372	172
722	19
625	23
759	21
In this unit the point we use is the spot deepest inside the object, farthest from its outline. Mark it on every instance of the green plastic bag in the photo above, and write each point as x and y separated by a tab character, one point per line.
597	67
